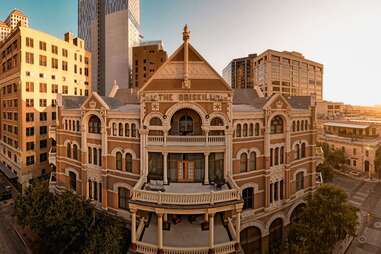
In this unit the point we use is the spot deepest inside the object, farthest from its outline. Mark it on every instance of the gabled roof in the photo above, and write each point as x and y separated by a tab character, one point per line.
170	75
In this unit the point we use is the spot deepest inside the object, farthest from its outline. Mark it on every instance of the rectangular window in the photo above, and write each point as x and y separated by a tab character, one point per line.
42	45
29	117
64	65
43	130
29	42
29	87
29	58
43	143
64	52
29	102
42	102
43	116
65	89
54	116
54	102
30	131
29	146
43	61
54	88
54	63
54	49
43	88
43	157
29	160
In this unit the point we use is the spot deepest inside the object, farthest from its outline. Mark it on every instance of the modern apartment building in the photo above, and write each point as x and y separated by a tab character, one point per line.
147	58
35	67
286	73
360	140
191	163
110	29
15	18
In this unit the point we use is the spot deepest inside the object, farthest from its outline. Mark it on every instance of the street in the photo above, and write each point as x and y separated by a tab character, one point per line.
367	197
10	242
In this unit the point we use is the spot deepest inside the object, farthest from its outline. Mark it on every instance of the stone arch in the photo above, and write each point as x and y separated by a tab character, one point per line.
258	224
67	170
86	118
298	171
219	115
250	185
151	115
123	185
178	106
117	149
284	117
130	151
292	208
273	218
241	151
256	150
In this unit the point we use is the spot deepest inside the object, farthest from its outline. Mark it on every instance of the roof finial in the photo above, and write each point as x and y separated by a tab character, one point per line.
186	33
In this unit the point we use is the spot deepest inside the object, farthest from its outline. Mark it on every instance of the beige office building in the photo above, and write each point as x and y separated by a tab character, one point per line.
35	67
286	73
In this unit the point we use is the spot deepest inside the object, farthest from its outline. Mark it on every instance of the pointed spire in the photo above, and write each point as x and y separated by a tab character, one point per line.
186	33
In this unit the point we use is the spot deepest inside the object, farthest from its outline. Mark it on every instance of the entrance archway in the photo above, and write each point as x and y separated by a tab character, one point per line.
186	122
297	213
251	240
276	236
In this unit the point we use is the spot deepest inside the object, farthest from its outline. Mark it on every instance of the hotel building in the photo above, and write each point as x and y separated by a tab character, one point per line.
147	58
110	29
190	163
14	19
360	141
286	73
35	67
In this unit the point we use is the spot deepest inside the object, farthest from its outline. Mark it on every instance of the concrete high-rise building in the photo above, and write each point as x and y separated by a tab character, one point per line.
110	29
14	18
287	73
35	67
147	58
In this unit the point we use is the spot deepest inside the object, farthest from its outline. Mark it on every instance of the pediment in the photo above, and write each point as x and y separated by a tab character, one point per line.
94	101
277	102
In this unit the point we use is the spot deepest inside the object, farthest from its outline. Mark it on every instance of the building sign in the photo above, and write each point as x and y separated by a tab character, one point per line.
186	97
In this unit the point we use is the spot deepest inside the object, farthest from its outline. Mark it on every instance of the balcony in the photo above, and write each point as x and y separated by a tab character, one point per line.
186	140
187	194
53	156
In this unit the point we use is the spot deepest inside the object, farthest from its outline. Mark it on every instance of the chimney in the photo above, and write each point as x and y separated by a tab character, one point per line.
69	37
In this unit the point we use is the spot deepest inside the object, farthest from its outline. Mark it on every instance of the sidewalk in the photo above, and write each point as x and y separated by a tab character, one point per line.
359	178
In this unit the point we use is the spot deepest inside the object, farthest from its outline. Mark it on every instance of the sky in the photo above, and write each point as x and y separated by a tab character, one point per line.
343	35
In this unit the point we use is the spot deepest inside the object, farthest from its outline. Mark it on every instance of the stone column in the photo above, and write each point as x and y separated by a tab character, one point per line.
211	231
159	231
206	168
165	176
133	229
238	226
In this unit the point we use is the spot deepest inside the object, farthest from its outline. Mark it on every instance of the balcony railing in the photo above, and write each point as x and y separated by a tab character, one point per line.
186	140
223	248
198	198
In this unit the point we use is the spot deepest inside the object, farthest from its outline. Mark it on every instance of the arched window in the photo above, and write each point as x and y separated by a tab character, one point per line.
89	155
95	156
282	155
257	129
244	130
126	130
298	125
299	181
251	130
303	150
253	161
302	125
276	156
68	150
94	125
251	240
277	125
128	162
78	127
73	181
100	157
118	160
248	197
243	163
69	125
133	130
306	125
120	129
293	126
238	131
66	125
297	151
123	196
75	152
217	122
114	129
276	235
155	121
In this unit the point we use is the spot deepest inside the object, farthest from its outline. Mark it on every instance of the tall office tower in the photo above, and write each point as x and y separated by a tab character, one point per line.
14	18
287	73
110	29
35	67
147	58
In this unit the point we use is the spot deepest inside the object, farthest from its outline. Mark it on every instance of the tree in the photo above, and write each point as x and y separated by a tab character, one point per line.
326	171
327	219
108	236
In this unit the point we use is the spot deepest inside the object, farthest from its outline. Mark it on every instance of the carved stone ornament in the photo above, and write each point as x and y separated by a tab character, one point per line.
217	106
279	104
155	106
92	104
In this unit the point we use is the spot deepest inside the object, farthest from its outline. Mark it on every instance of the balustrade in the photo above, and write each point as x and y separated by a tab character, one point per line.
187	140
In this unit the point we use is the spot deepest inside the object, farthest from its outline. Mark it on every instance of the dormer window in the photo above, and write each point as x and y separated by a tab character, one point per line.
94	125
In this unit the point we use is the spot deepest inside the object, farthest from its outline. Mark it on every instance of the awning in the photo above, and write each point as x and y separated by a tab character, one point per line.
348	125
7	172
